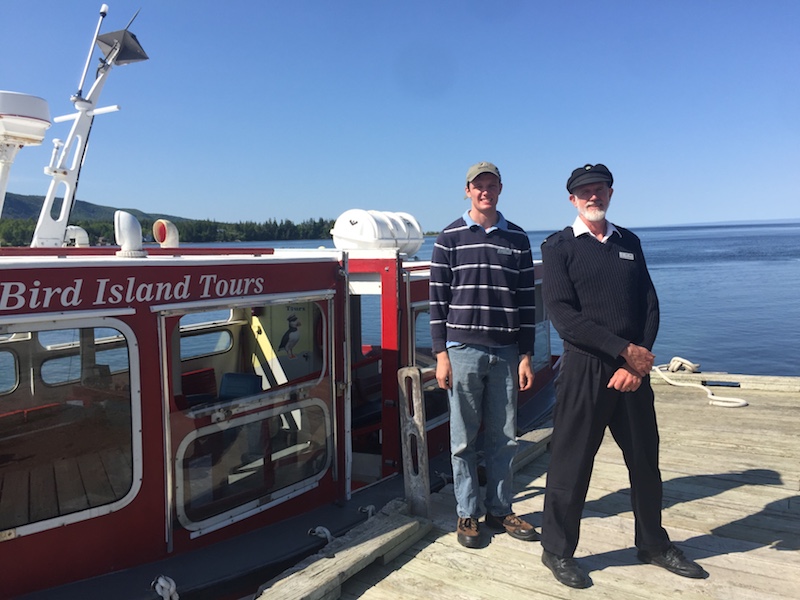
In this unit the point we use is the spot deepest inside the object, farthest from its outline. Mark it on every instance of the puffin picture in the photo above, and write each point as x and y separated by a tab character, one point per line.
291	337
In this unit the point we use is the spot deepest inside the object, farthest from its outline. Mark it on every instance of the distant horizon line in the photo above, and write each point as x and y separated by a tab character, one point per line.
755	223
735	223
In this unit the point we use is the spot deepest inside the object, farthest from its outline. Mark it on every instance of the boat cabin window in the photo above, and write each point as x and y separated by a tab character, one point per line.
110	356
65	423
9	371
197	341
437	406
365	337
251	419
251	461
423	352
252	348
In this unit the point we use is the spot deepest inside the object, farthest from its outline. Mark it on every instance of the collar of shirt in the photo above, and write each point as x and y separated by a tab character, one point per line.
580	228
501	222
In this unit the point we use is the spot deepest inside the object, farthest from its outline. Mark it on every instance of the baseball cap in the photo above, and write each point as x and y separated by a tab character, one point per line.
482	167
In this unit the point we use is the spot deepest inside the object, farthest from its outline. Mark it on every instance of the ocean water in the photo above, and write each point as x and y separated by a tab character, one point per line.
728	294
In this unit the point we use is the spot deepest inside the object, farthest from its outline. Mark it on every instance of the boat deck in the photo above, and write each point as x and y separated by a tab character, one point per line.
63	486
731	502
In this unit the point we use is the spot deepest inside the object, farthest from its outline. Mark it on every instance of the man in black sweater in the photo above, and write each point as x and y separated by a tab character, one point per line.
602	302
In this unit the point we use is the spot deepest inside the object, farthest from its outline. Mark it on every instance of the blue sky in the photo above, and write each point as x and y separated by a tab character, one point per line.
303	109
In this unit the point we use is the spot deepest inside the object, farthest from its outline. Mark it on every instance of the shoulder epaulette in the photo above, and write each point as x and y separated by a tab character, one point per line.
556	238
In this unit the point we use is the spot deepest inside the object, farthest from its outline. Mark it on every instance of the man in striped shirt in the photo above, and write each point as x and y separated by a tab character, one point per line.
482	317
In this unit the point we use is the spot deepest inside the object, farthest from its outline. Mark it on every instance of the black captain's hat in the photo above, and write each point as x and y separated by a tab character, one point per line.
589	174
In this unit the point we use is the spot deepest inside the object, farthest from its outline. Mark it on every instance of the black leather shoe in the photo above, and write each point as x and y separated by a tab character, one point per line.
672	559
566	570
513	526
468	534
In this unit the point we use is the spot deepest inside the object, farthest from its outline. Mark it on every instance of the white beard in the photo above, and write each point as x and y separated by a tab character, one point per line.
592	215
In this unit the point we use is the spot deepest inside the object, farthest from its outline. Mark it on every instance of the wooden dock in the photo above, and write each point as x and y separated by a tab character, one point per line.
731	502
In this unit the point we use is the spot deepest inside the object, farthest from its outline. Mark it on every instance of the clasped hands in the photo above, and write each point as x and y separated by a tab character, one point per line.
638	362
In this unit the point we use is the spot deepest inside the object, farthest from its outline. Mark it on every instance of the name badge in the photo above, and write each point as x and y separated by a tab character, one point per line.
504	251
626	255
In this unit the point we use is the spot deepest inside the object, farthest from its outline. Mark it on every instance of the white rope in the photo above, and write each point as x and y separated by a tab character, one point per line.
165	587
322	532
445	477
369	509
679	364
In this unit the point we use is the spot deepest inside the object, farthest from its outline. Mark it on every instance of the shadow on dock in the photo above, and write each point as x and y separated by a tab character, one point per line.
731	481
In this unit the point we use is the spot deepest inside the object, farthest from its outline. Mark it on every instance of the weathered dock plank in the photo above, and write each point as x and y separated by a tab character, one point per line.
745	382
380	539
731	502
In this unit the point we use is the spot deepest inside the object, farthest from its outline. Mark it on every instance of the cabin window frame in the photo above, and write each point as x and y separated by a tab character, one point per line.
105	320
261	503
287	396
99	342
14	367
429	384
418	308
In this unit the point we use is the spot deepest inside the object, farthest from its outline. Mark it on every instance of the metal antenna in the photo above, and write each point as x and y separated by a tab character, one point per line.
132	18
103	13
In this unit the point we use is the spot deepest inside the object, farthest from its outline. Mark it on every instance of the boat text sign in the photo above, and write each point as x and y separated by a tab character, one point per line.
79	289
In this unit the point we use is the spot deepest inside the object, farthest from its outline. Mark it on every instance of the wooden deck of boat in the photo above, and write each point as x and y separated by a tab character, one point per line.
64	486
731	502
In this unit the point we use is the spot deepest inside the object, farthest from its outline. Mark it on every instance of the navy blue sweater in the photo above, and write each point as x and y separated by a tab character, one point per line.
599	296
482	287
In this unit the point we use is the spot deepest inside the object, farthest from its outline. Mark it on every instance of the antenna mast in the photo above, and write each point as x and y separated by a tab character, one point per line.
120	47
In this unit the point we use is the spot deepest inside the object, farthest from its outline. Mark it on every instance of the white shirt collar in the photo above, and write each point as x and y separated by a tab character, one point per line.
580	228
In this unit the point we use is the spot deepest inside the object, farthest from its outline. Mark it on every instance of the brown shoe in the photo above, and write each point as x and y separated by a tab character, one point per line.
468	534
514	526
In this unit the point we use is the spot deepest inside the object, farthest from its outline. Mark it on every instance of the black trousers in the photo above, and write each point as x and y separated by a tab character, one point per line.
584	408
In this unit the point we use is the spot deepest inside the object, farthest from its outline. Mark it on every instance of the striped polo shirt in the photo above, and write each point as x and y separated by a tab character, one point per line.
482	286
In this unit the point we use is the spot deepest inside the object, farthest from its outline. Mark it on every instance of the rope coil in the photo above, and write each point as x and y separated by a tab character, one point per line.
322	532
165	587
680	364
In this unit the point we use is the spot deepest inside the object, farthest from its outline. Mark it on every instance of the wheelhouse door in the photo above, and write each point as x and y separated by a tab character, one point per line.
251	412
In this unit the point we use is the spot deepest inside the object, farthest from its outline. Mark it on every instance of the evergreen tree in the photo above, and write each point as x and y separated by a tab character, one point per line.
19	232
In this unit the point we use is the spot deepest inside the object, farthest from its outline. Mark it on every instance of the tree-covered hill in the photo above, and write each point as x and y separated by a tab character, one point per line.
20	214
27	207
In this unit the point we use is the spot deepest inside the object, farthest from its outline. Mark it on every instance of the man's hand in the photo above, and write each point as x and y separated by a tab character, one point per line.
639	359
625	379
444	372
525	372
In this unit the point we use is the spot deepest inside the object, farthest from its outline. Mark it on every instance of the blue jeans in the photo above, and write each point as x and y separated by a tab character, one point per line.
484	390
